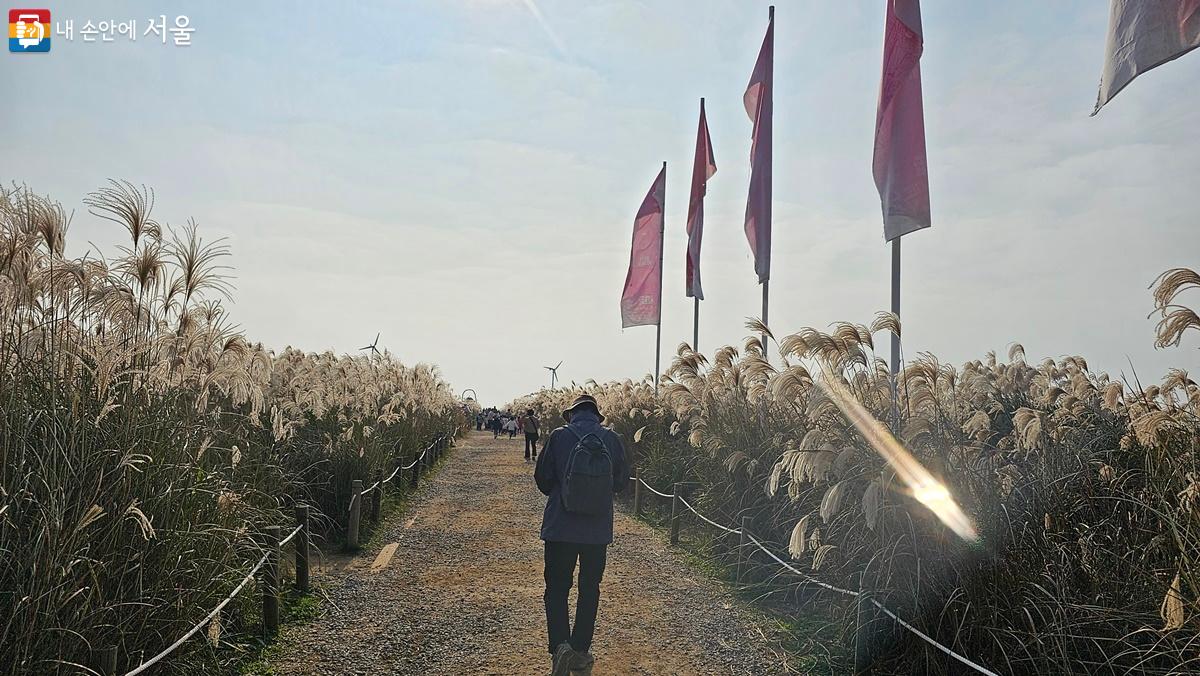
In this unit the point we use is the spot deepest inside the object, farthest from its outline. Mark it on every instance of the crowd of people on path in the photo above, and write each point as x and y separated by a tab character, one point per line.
506	422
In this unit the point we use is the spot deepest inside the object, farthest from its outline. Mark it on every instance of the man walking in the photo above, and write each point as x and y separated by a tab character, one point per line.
581	466
529	424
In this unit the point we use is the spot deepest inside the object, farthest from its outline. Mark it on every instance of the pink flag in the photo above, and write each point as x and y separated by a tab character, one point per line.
703	169
1143	34
643	283
758	102
900	167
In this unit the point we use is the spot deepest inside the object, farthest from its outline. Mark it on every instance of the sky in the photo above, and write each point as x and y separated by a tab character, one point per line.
461	176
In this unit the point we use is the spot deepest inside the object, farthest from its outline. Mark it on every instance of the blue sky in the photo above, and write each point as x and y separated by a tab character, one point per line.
446	174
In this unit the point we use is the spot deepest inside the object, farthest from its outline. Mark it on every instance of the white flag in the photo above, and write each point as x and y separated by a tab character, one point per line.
1143	34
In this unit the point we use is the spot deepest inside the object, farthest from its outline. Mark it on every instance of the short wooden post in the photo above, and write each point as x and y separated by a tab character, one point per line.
303	542
415	477
355	514
270	582
743	540
863	634
106	660
871	627
377	496
637	494
399	486
675	512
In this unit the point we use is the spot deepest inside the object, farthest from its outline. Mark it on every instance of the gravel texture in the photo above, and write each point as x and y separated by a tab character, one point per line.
463	593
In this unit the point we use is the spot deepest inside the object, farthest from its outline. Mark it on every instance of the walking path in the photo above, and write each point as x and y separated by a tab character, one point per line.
454	586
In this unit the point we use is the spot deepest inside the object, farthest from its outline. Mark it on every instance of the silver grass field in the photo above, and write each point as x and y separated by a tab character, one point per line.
1084	491
145	442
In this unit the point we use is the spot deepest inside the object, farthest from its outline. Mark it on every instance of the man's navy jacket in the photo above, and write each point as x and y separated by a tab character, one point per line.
559	525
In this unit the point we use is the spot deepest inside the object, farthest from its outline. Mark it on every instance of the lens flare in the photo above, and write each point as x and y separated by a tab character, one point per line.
922	485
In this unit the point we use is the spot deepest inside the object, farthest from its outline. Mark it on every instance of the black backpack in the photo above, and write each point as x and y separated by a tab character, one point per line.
589	485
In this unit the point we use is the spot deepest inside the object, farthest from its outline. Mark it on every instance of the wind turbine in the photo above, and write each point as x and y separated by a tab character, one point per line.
553	373
372	347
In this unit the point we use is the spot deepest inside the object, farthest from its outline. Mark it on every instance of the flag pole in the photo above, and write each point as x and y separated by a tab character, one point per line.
895	365
662	227
765	286
695	324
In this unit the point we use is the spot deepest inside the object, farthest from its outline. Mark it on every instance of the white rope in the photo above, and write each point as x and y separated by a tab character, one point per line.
735	531
651	489
377	484
291	535
796	571
250	576
849	592
208	618
981	669
413	463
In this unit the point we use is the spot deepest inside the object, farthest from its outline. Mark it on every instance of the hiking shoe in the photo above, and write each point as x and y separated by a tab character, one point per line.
582	664
564	655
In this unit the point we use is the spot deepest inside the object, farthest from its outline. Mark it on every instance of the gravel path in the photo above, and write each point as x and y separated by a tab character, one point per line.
463	592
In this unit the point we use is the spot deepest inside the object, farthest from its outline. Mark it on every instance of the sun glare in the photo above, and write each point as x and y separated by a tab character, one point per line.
922	485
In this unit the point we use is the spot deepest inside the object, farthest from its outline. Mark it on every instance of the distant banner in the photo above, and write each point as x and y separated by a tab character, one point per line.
703	168
1144	34
759	103
900	166
642	295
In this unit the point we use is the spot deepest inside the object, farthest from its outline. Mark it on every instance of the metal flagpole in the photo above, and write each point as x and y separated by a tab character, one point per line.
765	285
895	365
695	324
662	227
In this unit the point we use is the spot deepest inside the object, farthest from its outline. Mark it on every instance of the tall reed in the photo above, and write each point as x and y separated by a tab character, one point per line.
1085	490
145	442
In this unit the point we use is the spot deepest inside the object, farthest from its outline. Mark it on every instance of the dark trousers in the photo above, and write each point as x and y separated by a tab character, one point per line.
560	573
531	439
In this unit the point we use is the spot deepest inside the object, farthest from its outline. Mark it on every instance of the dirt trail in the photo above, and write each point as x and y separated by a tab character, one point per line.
462	591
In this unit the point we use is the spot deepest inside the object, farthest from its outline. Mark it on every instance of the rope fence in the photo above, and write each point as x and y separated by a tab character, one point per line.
217	610
396	471
677	499
268	563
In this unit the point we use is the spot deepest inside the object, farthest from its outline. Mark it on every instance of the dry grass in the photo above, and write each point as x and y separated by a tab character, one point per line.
1085	490
145	442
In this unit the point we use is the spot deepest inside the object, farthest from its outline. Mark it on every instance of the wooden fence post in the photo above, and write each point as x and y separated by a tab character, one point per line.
302	548
377	496
416	475
637	494
399	485
270	583
863	633
743	540
675	515
106	660
870	631
355	514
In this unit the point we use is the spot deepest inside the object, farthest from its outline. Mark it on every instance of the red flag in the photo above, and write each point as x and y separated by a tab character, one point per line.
900	166
642	295
758	101
703	168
